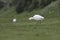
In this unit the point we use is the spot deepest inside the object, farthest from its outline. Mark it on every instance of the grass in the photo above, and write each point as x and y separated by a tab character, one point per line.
23	29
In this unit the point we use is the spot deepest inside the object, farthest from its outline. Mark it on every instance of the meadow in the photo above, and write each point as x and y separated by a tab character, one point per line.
23	29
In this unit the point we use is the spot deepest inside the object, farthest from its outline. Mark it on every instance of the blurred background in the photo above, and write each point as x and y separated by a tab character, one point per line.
24	29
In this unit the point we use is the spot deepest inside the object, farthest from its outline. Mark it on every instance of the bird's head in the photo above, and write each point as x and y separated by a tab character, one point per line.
42	18
14	20
30	18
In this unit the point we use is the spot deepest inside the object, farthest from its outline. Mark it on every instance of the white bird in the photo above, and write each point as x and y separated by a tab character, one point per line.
36	17
14	20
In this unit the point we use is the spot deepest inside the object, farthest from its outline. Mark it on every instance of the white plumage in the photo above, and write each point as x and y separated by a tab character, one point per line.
36	17
14	20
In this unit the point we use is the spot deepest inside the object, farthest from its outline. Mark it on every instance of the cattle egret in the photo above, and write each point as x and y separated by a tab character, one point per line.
14	20
37	18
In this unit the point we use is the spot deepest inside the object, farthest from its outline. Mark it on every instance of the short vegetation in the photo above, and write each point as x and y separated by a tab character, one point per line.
23	29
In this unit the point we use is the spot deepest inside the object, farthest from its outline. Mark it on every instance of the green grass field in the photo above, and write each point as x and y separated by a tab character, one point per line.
23	29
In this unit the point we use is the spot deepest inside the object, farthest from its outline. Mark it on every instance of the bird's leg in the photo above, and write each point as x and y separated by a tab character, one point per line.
40	21
36	22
